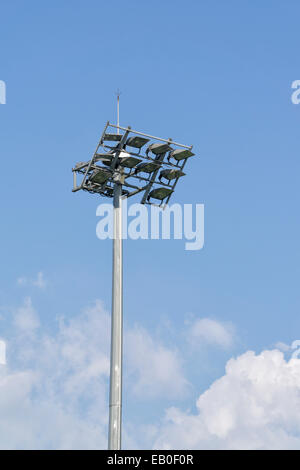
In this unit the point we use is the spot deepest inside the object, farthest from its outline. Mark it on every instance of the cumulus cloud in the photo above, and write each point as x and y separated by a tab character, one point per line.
255	405
31	420
39	282
62	379
58	379
156	369
206	331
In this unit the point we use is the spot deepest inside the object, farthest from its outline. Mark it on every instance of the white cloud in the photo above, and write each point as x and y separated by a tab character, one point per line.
39	282
36	421
283	347
255	405
26	318
62	380
208	331
54	396
156	369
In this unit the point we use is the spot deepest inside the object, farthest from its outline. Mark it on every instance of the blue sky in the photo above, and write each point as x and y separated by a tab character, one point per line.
213	74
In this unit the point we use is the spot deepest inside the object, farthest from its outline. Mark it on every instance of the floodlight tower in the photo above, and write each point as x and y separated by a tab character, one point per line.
117	172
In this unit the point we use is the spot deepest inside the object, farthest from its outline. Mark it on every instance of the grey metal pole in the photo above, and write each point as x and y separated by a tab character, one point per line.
115	396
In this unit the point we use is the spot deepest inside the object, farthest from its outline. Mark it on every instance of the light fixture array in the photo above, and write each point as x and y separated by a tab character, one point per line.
139	162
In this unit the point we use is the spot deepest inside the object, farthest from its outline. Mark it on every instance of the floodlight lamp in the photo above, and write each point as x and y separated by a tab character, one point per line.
147	167
100	176
130	162
171	174
104	155
105	160
180	154
159	193
112	137
137	142
123	157
158	149
126	160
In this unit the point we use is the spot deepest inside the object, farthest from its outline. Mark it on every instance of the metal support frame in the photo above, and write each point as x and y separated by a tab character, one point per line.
169	141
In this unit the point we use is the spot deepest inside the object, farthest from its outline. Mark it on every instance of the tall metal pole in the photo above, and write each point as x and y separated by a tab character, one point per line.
117	179
115	394
115	397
